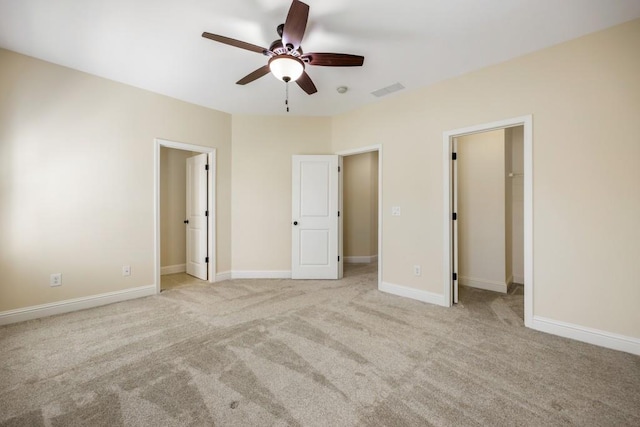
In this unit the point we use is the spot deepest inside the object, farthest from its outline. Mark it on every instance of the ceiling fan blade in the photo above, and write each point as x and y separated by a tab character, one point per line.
295	24
264	70
234	42
333	59
304	81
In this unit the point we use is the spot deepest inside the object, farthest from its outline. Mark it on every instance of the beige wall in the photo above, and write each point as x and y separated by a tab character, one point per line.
481	209
76	179
261	205
584	96
360	196
76	176
173	204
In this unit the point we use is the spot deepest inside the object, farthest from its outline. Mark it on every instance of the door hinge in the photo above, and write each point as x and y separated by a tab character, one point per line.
455	276
206	260
206	213
338	168
455	216
206	167
454	156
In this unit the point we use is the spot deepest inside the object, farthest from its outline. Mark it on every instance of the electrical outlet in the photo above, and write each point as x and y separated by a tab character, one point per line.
55	279
395	211
417	270
126	270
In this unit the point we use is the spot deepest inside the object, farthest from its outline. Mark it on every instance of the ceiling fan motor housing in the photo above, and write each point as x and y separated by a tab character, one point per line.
279	49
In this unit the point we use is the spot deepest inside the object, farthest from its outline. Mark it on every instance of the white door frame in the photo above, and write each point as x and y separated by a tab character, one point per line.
447	138
211	204
369	149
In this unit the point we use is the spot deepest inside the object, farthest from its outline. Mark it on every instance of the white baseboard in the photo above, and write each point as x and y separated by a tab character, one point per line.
182	268
361	259
518	279
413	293
173	269
225	275
268	274
66	306
487	285
588	335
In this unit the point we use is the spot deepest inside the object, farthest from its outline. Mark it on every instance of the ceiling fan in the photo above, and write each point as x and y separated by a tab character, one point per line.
287	61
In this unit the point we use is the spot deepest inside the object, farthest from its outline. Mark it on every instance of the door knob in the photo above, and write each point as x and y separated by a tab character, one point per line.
295	222
186	221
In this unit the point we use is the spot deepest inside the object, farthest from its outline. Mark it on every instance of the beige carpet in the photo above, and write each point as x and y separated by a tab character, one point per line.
282	352
178	280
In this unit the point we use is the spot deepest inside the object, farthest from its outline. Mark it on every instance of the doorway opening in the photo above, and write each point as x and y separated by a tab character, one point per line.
184	232
362	206
486	178
488	227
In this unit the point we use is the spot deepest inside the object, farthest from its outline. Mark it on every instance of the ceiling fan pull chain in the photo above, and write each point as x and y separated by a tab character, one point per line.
286	99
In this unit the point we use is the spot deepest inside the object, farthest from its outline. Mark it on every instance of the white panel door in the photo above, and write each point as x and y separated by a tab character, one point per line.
197	216
454	209
314	224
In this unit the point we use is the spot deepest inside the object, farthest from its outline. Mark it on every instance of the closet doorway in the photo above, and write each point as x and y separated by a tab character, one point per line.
488	210
488	204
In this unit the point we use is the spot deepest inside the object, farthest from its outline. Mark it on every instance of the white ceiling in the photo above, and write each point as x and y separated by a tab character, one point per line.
157	44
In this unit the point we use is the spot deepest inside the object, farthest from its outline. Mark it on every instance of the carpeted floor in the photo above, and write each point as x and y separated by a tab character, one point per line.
283	352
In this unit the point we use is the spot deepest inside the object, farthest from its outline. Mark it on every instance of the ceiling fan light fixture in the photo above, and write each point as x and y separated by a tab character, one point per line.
286	67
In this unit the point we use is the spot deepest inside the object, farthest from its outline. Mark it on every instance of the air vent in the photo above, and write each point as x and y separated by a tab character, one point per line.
387	90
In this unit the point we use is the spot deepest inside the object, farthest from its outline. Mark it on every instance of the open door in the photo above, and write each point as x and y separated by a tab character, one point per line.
315	233
454	219
197	257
